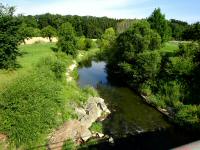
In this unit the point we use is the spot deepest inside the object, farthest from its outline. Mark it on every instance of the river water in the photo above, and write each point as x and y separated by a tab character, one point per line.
133	124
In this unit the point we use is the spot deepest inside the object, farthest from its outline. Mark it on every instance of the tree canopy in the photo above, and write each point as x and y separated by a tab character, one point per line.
9	37
160	24
67	39
49	32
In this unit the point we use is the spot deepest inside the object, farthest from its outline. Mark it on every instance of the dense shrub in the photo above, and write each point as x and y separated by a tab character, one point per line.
188	115
81	44
89	43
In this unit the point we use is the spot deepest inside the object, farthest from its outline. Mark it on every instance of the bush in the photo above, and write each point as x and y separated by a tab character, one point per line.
180	66
69	145
89	43
171	93
58	67
188	115
148	64
97	127
81	44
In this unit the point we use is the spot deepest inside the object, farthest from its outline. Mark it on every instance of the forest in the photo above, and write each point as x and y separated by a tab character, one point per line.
158	58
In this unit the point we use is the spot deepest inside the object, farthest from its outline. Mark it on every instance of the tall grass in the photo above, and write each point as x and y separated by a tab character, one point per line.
29	106
39	99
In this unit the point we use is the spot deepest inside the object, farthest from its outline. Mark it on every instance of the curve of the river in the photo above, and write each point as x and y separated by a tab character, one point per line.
133	122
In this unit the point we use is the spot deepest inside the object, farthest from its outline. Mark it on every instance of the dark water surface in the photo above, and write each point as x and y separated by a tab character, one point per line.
132	123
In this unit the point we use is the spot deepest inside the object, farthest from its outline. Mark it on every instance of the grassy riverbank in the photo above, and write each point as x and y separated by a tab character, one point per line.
36	98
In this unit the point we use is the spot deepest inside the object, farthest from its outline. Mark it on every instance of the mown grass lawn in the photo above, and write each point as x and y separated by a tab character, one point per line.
31	54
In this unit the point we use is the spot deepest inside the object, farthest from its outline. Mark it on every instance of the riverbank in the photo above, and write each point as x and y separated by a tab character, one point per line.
78	130
43	73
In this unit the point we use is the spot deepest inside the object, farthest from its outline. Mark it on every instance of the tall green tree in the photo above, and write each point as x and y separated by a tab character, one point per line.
67	39
192	32
160	24
9	37
107	39
178	28
49	32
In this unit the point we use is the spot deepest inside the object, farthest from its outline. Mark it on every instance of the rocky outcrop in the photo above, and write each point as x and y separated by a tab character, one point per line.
79	129
92	111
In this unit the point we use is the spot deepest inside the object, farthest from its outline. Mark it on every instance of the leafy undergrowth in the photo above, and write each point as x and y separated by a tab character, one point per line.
97	127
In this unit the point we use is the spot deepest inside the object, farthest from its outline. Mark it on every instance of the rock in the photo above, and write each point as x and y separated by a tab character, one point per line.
111	140
100	135
78	130
80	112
85	134
94	110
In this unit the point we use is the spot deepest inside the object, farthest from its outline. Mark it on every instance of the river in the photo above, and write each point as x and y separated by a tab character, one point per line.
133	124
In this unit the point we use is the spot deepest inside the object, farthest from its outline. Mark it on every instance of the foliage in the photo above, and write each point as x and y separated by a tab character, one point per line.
27	32
88	26
69	145
97	127
9	37
89	43
188	115
148	64
81	43
124	25
67	39
168	77
178	28
135	40
107	39
160	24
49	32
192	32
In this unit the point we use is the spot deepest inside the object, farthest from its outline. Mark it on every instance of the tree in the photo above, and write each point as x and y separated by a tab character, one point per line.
134	53
178	27
160	24
107	39
192	32
138	38
67	39
9	37
49	32
27	32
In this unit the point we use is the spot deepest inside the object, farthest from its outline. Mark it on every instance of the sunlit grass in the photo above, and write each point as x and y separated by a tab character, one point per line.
31	54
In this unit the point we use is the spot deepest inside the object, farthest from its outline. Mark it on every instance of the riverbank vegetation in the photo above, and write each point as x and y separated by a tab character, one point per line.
166	73
35	97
